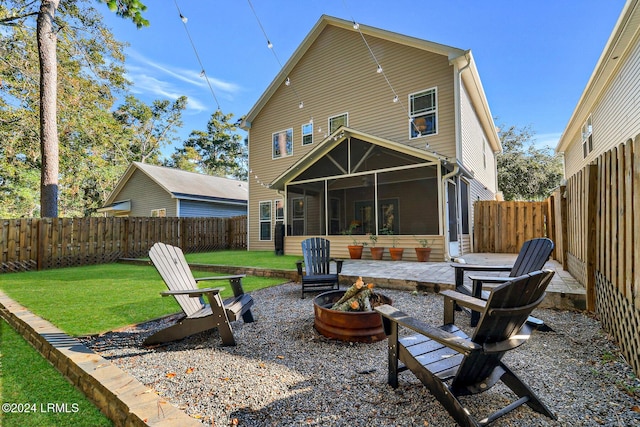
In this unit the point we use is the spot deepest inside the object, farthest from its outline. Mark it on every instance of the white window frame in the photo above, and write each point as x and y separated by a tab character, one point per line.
289	143
331	118
279	217
308	133
587	137
159	213
428	112
262	220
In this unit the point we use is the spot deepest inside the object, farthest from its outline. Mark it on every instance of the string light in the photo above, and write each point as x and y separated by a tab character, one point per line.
379	70
269	44
202	73
356	26
395	98
287	82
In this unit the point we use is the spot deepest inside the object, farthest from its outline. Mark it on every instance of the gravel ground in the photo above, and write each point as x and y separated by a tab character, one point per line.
283	373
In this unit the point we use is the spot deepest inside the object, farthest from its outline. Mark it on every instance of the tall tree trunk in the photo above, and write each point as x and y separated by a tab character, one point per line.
47	39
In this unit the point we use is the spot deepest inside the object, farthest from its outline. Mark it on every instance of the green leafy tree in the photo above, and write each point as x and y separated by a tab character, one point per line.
218	151
150	127
49	26
525	171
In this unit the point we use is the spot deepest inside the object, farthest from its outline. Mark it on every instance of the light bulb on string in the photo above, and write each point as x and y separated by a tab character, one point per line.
183	18
301	105
269	44
356	25
395	98
379	70
202	73
287	81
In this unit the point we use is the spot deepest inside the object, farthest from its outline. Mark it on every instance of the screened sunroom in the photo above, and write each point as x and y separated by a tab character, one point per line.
358	184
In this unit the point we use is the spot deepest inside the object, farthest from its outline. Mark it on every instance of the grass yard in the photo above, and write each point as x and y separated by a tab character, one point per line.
28	380
263	259
98	298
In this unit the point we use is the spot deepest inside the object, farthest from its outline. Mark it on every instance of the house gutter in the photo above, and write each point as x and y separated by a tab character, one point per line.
444	213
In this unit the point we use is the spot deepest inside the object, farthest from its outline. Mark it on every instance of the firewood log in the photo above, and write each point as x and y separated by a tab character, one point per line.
353	289
359	298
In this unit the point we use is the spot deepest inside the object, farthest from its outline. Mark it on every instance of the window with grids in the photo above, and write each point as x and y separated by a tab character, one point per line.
587	138
265	220
307	134
283	143
336	121
424	113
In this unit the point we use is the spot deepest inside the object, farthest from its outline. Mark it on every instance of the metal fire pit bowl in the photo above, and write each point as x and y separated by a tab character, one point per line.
353	326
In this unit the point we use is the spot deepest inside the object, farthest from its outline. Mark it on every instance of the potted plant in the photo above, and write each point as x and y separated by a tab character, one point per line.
355	249
423	251
396	253
376	252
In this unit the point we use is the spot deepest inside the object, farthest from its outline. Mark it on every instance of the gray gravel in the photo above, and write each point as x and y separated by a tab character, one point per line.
283	373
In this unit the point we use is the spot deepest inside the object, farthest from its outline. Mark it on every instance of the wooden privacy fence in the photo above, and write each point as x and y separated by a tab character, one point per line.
42	243
502	227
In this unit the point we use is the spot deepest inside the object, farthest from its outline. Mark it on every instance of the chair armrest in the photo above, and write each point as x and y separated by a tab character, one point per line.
192	293
463	300
338	264
476	267
448	339
236	276
491	279
299	266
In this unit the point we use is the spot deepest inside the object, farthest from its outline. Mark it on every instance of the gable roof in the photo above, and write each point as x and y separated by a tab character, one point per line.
623	37
336	138
186	185
462	58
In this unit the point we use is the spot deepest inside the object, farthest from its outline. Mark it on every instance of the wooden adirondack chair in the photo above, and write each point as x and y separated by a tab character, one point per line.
317	263
176	273
533	255
450	364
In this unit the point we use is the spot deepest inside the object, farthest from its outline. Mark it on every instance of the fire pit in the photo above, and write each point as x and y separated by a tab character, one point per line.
355	326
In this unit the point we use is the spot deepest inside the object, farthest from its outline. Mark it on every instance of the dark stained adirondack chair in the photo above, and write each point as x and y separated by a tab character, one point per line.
533	255
451	364
199	316
317	261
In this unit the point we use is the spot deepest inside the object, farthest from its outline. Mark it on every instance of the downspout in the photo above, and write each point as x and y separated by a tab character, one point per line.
445	212
457	89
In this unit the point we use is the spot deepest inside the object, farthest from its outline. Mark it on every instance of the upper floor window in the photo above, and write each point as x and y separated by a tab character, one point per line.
307	134
424	113
336	121
265	220
283	143
587	137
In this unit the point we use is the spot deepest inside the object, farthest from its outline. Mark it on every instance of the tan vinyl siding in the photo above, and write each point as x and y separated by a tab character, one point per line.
337	75
146	195
616	116
473	140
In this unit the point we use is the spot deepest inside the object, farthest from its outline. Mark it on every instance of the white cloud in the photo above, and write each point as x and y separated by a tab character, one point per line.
548	139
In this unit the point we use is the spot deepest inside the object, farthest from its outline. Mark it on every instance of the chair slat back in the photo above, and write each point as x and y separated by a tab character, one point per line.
316	254
507	310
532	256
174	270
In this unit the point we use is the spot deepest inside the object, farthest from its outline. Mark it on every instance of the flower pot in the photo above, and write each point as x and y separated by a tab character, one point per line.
423	254
355	251
396	253
377	252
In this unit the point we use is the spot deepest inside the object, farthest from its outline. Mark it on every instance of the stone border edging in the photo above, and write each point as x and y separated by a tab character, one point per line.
121	397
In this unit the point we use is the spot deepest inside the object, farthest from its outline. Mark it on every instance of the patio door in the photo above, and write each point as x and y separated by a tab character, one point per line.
452	223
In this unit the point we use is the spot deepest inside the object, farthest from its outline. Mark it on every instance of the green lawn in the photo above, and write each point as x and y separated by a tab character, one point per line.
42	396
98	298
263	259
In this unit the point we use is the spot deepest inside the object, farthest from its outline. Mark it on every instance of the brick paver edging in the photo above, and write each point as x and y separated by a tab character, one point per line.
122	398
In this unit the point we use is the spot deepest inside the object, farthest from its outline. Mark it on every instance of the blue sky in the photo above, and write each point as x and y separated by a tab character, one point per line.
534	58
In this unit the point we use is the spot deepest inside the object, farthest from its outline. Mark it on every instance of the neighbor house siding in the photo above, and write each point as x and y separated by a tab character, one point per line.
615	118
476	151
336	75
155	197
194	209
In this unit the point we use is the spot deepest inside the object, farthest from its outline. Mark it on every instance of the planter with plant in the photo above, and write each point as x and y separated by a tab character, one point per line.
376	252
396	253
355	249
423	252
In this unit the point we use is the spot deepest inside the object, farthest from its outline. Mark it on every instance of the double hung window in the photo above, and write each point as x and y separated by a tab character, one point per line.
424	113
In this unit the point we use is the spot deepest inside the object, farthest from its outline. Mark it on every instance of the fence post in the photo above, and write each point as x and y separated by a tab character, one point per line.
563	226
592	244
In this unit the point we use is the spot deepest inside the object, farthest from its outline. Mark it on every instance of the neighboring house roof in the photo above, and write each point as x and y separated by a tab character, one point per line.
463	58
623	37
187	185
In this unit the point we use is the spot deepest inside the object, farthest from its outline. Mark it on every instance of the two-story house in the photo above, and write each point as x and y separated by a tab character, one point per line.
373	132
